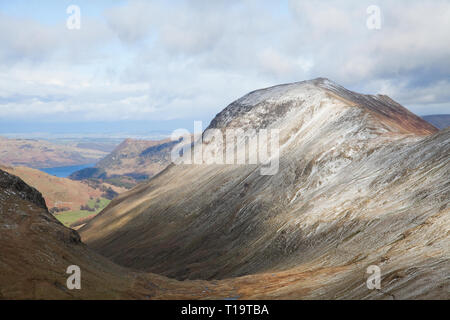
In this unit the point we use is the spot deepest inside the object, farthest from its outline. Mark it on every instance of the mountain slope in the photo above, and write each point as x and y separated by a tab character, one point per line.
35	251
137	158
43	154
358	176
131	161
440	121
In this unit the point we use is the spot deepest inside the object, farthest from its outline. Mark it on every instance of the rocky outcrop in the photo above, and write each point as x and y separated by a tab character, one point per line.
15	185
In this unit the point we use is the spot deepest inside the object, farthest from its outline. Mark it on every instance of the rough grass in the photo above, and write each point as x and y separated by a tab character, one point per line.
69	217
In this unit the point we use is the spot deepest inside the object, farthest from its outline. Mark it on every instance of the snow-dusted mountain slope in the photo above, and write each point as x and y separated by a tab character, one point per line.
361	181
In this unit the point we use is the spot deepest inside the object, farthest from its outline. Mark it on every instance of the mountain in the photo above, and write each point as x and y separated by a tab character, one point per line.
131	162
43	154
440	121
103	146
361	181
36	250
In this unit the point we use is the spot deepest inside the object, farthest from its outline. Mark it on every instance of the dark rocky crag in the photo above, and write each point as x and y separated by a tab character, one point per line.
20	188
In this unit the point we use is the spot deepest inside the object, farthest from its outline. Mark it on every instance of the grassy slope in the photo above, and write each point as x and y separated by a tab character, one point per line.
58	192
63	192
69	217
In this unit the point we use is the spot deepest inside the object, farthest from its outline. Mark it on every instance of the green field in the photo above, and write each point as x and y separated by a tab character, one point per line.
69	217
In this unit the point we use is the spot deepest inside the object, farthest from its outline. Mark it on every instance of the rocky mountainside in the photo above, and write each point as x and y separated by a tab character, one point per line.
361	181
440	121
35	248
130	162
43	154
35	251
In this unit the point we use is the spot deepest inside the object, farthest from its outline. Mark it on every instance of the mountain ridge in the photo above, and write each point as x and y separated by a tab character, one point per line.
130	163
43	154
339	167
382	105
351	191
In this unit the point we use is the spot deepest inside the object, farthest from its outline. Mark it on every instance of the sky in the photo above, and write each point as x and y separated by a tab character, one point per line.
163	64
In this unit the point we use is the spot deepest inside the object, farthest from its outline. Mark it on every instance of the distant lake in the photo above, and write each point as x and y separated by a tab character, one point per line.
64	172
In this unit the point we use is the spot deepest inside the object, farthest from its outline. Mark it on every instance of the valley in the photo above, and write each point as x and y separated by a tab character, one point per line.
255	153
361	181
74	200
66	198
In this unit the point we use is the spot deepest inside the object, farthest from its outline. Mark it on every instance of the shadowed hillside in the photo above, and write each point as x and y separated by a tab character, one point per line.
35	251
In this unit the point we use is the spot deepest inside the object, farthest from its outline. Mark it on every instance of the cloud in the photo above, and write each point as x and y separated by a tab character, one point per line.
27	40
132	23
188	59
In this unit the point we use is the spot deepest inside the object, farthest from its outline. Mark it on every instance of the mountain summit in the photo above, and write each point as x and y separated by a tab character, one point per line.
361	181
263	107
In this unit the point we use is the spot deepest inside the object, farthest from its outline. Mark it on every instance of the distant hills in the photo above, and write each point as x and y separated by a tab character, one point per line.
440	121
44	154
131	162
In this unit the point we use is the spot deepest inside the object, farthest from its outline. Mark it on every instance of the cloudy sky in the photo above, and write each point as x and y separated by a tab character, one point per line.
176	61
